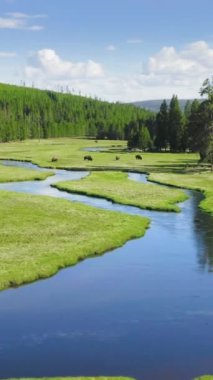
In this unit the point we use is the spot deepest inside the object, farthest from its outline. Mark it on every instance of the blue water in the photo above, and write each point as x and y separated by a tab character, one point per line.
144	310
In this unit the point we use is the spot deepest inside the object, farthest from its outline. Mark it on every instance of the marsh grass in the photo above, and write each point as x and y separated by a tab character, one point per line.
13	174
70	154
40	235
77	378
117	187
195	181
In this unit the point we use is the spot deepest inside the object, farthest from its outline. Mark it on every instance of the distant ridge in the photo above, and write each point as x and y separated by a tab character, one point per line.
154	105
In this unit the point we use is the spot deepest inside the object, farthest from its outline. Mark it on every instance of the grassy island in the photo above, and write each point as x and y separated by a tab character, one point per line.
193	181
13	174
40	235
117	187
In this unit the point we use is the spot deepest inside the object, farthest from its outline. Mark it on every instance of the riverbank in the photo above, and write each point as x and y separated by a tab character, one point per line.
14	174
116	186
77	378
40	235
196	181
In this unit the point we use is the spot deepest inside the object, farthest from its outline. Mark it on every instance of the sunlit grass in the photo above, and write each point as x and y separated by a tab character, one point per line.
70	154
40	235
12	174
196	181
77	378
117	187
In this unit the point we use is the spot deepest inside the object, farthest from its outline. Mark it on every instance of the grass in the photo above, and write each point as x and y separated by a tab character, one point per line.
70	154
78	378
40	235
117	187
12	174
196	181
205	377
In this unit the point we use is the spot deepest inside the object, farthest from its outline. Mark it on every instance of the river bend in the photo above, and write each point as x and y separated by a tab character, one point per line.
144	310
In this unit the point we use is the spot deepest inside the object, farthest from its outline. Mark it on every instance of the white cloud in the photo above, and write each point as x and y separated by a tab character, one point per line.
17	20
25	15
167	72
134	41
47	63
5	54
111	47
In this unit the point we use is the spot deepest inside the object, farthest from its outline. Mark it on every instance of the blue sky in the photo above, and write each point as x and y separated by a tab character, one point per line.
117	50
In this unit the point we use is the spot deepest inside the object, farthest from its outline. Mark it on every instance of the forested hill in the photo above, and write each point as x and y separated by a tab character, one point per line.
32	113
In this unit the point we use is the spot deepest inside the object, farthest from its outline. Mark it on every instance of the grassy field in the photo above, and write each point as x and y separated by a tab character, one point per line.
55	233
117	187
40	235
78	378
207	377
70	154
196	181
12	174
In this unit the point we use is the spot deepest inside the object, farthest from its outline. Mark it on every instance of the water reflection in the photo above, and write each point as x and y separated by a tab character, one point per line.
203	228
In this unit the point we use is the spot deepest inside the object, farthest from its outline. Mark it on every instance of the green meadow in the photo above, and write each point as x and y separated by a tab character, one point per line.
78	378
202	181
56	233
70	154
40	235
117	187
13	174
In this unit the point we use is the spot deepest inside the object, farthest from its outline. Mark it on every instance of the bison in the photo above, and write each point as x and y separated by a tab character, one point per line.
117	158
89	158
54	159
138	157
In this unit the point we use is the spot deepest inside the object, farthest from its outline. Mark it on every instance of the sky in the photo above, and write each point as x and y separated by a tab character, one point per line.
116	50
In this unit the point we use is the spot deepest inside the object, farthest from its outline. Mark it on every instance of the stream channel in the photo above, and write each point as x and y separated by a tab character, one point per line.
144	310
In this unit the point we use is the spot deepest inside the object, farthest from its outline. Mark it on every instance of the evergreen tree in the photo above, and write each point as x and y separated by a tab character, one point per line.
162	119
201	123
175	125
144	139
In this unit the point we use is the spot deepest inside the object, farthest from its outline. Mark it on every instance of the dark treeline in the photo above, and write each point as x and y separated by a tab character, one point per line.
177	131
32	113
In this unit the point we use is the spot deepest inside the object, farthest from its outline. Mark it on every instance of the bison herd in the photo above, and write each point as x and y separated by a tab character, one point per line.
89	158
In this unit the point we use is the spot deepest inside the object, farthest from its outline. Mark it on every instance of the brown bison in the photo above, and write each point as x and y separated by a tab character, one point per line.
54	159
89	158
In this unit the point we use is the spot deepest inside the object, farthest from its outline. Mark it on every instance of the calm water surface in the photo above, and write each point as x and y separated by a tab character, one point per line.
144	310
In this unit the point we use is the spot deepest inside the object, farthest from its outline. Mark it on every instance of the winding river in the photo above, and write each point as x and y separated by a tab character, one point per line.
144	310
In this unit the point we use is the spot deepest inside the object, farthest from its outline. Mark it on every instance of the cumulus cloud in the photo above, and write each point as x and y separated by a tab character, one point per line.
169	71
47	63
17	20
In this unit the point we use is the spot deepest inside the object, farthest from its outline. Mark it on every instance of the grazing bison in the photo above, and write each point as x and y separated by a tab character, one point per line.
89	158
138	157
54	159
117	158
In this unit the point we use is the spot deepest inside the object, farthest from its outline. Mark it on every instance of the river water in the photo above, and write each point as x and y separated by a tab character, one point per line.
144	310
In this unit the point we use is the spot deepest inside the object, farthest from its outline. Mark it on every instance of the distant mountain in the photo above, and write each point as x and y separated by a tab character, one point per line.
154	105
